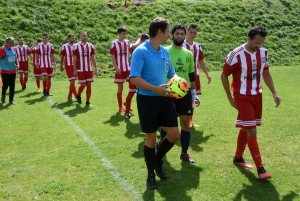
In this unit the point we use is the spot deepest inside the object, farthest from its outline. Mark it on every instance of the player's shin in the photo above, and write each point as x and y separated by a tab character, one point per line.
254	150
241	144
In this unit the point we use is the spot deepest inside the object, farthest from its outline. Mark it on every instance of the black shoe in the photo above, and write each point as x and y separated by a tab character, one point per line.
187	158
12	102
44	92
23	88
2	99
127	116
88	104
78	98
159	171
151	182
241	162
48	94
263	174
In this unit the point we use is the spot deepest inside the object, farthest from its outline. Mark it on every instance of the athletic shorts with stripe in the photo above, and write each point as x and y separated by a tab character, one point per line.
85	76
184	105
47	71
124	77
155	111
23	67
70	73
249	110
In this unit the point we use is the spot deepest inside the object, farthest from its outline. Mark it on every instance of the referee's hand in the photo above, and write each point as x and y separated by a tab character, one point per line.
161	90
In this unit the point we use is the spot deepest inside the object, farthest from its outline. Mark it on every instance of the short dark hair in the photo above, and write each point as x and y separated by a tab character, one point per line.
70	35
257	30
178	26
45	35
9	39
156	24
192	26
122	29
144	37
38	40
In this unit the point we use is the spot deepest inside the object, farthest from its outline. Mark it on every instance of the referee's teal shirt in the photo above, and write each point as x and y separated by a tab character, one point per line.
154	67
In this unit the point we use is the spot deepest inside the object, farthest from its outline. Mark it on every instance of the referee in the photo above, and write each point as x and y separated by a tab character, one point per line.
151	68
8	67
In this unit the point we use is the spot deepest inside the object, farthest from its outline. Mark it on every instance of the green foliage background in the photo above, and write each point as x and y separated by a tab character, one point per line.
223	24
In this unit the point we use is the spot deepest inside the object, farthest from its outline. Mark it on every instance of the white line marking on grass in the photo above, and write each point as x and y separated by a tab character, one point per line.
125	185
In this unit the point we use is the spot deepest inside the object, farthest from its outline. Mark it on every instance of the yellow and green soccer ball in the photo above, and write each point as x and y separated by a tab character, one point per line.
178	87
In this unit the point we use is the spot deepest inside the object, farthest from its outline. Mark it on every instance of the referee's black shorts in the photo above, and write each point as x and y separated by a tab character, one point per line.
184	105
155	111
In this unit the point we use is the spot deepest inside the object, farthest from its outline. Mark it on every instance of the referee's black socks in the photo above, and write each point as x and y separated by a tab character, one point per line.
149	154
164	147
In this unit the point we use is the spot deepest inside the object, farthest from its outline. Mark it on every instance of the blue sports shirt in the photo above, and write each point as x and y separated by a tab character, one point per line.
154	67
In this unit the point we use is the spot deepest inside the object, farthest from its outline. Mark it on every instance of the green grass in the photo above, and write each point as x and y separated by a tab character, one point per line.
44	158
223	24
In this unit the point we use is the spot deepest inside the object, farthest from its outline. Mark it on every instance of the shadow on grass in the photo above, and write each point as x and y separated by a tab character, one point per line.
197	139
177	184
63	105
74	112
115	119
30	94
4	106
33	101
257	190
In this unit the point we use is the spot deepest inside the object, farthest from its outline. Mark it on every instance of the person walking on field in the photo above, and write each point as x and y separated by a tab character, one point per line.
151	68
248	64
8	67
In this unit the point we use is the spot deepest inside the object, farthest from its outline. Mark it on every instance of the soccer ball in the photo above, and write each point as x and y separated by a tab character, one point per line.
178	87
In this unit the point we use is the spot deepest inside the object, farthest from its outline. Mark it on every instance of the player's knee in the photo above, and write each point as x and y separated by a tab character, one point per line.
250	131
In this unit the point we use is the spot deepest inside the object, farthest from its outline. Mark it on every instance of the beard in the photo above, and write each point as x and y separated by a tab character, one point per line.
177	43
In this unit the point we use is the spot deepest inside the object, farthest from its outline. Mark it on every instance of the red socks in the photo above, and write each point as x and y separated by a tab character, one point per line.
119	97
44	84
80	89
25	80
72	90
241	144
128	101
48	86
88	92
254	150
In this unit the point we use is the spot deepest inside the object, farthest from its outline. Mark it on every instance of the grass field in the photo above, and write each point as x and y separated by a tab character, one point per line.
58	150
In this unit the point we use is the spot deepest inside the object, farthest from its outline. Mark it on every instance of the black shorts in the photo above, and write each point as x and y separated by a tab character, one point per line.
155	111
184	105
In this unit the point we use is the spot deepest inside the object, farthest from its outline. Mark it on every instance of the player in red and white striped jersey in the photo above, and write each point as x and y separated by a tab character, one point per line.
66	59
248	64
83	59
197	51
36	70
119	50
45	57
22	54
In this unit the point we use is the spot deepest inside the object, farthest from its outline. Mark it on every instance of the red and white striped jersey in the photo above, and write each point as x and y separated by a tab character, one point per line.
121	52
246	69
44	52
84	53
197	51
34	52
22	52
67	51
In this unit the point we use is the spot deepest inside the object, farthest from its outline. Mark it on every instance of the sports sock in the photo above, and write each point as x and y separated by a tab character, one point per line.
37	80
48	86
149	154
88	92
254	150
163	133
22	81
25	80
185	138
165	146
70	91
73	89
44	84
119	97
80	89
241	144
128	101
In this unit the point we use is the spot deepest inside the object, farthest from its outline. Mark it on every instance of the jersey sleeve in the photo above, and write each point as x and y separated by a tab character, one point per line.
266	60
63	51
113	50
137	63
191	63
75	51
52	49
201	54
2	53
231	64
93	50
